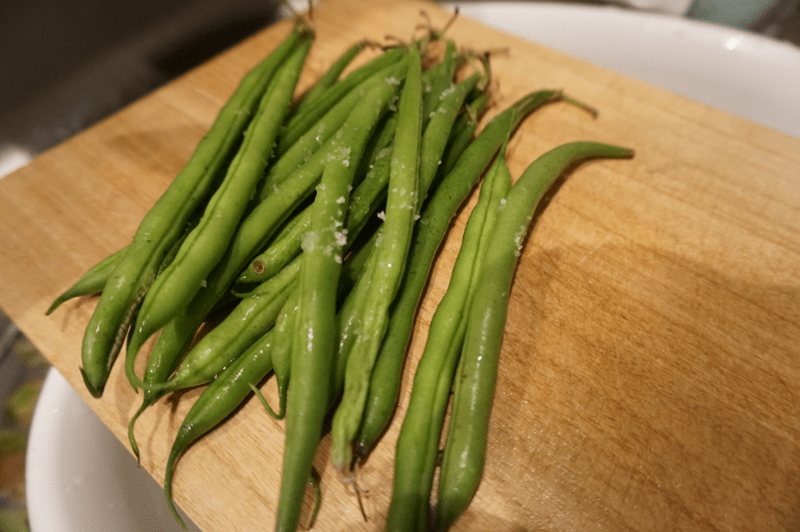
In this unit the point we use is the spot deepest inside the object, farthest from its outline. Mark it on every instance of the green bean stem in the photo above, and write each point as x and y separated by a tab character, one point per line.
465	447
418	444
392	249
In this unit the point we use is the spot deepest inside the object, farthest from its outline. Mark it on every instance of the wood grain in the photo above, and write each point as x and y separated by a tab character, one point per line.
650	374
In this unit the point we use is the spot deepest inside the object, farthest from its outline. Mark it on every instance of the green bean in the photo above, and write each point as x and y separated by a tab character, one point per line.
329	78
282	346
155	372
465	447
358	258
259	225
436	80
250	319
160	368
218	402
391	250
204	246
364	201
428	235
92	282
464	130
320	132
418	444
164	223
437	131
157	369
302	122
312	349
367	195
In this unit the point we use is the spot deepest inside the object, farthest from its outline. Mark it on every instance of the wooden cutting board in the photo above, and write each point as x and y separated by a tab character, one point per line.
650	376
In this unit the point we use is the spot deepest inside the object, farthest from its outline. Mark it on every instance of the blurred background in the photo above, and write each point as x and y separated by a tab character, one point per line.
67	64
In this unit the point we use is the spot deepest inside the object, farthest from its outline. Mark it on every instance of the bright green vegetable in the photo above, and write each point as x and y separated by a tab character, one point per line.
262	221
317	134
401	210
206	243
313	348
164	223
465	448
301	122
218	402
364	201
249	320
329	78
283	341
92	282
429	233
417	448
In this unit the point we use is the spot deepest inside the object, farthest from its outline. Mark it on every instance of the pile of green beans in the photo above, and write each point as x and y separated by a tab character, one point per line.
306	228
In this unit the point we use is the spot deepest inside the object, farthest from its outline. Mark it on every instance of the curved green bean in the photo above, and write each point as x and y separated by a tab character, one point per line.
91	282
401	210
218	402
465	447
418	444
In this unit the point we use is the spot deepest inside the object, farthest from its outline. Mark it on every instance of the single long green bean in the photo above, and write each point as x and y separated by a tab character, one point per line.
312	350
401	210
465	447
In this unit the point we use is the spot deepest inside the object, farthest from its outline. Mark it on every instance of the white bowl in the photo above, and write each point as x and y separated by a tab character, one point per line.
80	478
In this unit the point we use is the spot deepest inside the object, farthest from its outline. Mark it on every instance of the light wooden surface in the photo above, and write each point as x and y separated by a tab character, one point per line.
650	377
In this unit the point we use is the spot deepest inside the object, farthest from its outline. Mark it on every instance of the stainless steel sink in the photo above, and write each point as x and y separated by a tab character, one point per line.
67	64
